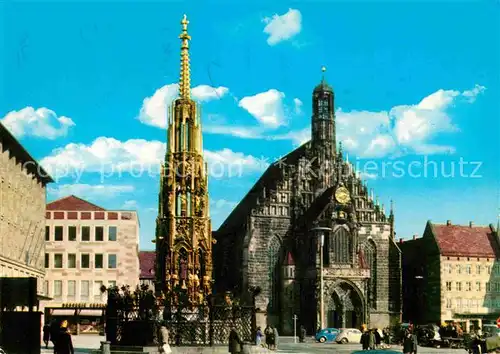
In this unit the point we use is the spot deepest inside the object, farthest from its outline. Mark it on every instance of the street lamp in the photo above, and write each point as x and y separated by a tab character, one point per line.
321	235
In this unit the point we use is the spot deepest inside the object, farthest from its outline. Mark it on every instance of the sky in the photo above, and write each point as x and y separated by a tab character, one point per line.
86	88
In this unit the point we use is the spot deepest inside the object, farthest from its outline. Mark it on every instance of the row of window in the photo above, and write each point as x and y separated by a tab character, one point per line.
84	233
493	286
85	263
85	293
460	304
468	268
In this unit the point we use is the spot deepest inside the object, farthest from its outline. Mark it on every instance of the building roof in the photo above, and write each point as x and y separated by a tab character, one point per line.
9	142
73	203
147	264
466	241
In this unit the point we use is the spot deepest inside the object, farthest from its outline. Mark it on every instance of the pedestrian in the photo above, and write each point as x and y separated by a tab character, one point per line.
365	338
378	338
46	335
269	333
165	347
54	332
302	334
371	340
415	342
235	343
276	338
408	343
258	337
64	344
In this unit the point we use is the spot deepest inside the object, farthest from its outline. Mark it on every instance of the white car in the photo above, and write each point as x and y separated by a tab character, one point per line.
349	335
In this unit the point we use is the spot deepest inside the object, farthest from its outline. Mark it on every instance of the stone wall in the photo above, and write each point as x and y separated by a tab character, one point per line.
22	221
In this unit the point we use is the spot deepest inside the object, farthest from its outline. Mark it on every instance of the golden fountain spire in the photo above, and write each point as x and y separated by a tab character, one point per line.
185	77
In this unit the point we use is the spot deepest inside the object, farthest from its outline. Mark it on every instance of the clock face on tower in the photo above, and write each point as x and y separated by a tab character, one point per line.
342	195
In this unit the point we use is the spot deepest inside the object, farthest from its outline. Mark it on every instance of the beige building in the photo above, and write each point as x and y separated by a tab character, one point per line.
22	211
458	267
87	247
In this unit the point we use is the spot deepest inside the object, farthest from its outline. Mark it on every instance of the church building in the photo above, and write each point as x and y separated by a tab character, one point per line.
309	207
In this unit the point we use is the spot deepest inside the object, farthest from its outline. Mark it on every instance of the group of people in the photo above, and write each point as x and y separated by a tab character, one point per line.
60	336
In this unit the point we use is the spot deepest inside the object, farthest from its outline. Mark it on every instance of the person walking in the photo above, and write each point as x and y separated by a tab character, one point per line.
258	337
46	335
235	343
165	347
269	333
371	340
55	328
302	334
276	338
64	344
408	343
365	339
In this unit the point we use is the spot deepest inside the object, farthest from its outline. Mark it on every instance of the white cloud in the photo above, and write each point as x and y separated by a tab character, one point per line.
402	129
298	137
137	157
129	205
154	109
267	107
283	27
237	131
221	207
42	123
298	106
88	191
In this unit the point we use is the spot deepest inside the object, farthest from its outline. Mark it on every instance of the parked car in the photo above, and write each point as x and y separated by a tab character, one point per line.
349	335
376	351
327	335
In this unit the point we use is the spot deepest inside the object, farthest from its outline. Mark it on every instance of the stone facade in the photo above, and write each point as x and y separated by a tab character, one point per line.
22	211
457	266
87	247
313	186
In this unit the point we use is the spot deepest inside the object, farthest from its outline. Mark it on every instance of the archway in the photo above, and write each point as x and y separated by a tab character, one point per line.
345	308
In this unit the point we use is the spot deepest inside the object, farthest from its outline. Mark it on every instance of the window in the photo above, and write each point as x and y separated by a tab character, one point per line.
85	233
273	251
478	269
468	269
112	233
85	260
58	260
46	287
448	303
47	260
459	286
47	233
58	233
97	290
99	233
71	260
448	268
98	261
488	269
71	289
72	233
478	286
459	269
448	285
112	261
57	289
85	290
468	286
487	287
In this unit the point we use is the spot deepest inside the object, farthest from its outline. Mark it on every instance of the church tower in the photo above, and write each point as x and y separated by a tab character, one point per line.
183	229
323	140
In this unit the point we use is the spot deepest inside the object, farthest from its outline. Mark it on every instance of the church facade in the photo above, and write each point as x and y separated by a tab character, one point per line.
308	207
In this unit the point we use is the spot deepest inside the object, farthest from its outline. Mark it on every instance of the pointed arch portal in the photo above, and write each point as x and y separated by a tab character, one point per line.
345	307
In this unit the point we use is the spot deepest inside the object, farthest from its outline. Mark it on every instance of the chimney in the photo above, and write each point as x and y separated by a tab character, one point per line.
471	224
415	237
400	240
448	222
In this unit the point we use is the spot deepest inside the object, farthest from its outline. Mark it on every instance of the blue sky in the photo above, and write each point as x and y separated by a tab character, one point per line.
85	86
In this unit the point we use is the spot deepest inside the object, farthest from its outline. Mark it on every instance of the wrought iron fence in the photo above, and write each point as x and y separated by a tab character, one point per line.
195	325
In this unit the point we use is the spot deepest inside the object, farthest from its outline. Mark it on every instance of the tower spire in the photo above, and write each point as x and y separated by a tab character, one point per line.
323	69
185	76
